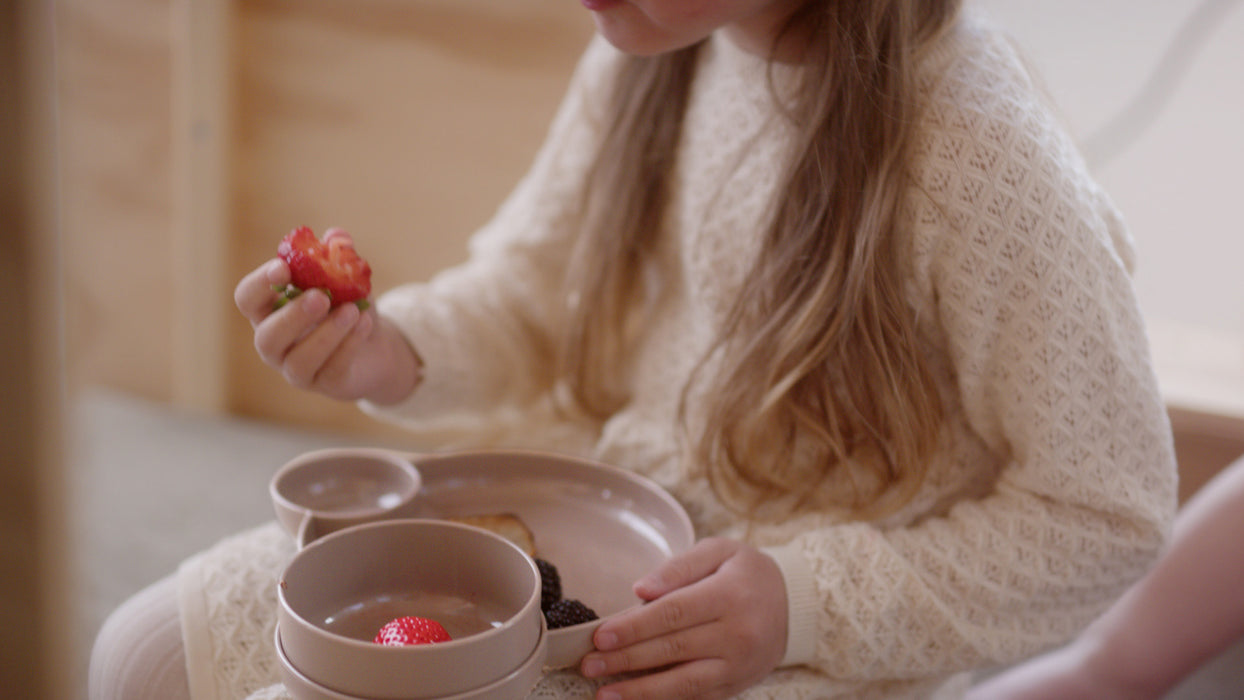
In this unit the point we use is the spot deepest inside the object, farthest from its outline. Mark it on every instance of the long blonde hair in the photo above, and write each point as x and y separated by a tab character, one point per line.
819	353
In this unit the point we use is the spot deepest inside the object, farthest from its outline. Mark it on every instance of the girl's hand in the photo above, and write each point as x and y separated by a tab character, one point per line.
342	353
714	623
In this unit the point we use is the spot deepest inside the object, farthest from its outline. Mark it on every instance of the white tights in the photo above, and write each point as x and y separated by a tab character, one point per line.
138	654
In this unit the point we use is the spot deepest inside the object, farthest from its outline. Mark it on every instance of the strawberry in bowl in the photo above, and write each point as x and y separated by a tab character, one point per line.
331	265
405	631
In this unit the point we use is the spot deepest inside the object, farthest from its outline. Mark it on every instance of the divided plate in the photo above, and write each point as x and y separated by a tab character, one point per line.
602	527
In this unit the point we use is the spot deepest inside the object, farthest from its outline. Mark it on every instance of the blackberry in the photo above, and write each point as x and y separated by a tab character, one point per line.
550	584
567	612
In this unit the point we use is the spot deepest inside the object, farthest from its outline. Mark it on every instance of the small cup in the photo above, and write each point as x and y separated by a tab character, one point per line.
324	491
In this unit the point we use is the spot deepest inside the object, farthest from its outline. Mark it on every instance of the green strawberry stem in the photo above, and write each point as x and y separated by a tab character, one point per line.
288	292
285	294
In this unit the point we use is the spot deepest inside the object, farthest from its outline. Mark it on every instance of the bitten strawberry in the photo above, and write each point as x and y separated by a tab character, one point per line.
411	630
333	266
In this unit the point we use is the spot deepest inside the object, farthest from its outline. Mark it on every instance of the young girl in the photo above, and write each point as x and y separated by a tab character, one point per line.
1183	612
831	274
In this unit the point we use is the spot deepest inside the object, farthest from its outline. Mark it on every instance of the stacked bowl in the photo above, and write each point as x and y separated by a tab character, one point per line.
342	588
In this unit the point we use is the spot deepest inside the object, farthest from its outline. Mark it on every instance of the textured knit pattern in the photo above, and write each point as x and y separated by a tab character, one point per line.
227	602
1054	485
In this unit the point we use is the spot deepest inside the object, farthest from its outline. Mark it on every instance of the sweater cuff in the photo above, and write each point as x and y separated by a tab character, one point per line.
802	604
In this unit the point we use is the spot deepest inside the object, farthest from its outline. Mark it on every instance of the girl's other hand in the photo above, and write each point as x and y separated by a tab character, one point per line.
342	353
714	623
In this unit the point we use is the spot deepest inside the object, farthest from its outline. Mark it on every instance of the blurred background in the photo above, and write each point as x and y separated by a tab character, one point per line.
156	150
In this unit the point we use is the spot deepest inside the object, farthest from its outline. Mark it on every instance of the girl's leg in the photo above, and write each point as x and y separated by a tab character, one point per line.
138	653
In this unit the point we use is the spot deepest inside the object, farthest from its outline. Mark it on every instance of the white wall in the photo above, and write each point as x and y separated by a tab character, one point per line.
1180	184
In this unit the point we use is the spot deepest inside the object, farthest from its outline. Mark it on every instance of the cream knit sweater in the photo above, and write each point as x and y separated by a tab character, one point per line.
1055	486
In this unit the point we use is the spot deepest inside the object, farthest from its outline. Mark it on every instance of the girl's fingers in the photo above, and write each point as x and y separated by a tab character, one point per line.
277	334
701	641
673	602
307	357
337	376
680	610
695	564
254	295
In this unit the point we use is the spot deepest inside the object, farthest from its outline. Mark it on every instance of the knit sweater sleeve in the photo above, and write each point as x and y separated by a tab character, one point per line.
1022	268
483	329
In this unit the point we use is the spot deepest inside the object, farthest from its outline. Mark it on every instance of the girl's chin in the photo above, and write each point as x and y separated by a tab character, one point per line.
631	32
600	5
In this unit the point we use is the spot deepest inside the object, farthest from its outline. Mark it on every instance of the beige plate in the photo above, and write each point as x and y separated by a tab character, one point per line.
601	526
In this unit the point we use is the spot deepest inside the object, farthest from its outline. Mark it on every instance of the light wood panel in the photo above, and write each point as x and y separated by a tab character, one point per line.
201	127
116	206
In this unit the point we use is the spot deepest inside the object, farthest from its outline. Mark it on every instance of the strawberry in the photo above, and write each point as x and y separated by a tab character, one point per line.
411	630
332	266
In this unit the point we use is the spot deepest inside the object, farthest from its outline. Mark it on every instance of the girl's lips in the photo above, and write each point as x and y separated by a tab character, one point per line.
600	5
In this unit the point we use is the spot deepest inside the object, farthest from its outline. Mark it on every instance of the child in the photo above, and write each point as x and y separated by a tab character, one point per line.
831	274
1189	608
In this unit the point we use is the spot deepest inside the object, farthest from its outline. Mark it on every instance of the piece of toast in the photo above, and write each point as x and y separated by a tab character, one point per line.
507	525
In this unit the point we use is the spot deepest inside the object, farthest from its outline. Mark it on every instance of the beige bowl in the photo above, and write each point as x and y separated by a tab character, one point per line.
517	684
328	490
339	590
